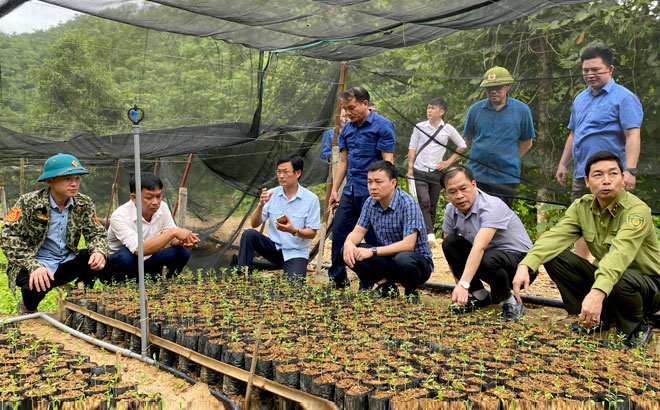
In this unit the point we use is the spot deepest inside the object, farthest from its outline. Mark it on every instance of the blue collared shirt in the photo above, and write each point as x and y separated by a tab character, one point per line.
488	211
326	145
53	251
598	121
495	136
364	144
303	210
401	218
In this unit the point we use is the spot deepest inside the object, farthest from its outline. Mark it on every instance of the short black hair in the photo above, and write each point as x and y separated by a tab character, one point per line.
295	160
148	181
439	102
455	169
598	51
601	156
357	92
387	166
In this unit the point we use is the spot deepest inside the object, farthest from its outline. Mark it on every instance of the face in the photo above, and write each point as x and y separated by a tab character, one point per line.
151	199
286	175
596	74
355	110
64	186
497	94
434	113
380	185
343	118
605	180
461	192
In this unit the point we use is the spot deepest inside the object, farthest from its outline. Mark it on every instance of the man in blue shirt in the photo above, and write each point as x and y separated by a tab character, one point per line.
401	253
484	240
498	130
368	137
605	117
326	140
294	216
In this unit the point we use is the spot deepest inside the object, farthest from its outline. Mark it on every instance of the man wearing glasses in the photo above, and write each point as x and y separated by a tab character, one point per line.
498	130
294	216
605	116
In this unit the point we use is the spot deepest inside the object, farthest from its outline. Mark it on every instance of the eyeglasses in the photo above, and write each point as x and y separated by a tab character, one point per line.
283	172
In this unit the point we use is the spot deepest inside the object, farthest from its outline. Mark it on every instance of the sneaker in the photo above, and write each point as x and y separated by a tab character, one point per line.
471	305
513	311
22	310
432	241
640	337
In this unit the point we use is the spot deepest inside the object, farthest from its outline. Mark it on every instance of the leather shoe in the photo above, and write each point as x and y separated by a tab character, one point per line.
471	305
639	337
22	310
512	311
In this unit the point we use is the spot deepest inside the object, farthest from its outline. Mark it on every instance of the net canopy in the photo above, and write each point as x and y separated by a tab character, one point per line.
326	29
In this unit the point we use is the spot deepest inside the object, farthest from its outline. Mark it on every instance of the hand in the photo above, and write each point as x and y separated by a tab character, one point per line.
191	241
265	196
442	165
460	295
521	279
629	181
592	305
96	261
350	254
184	235
363	253
409	174
334	200
561	175
40	279
286	226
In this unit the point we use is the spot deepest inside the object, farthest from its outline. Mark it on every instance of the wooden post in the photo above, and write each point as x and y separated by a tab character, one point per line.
41	169
156	165
21	179
113	202
183	183
182	200
335	156
253	366
3	198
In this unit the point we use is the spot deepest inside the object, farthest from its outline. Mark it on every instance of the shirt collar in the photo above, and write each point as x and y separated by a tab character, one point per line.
607	88
489	105
614	208
428	123
393	202
69	202
156	214
297	195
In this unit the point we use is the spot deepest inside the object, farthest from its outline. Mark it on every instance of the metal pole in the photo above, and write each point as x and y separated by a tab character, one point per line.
136	115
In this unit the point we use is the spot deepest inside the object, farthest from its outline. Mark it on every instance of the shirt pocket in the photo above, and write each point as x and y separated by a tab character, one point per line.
605	114
589	235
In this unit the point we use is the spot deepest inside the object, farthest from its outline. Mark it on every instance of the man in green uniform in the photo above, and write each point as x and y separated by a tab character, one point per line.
41	233
624	284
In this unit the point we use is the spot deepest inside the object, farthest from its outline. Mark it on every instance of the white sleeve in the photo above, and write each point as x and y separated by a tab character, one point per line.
456	137
168	221
125	230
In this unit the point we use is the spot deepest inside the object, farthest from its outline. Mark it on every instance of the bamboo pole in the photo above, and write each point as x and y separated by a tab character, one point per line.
253	366
112	194
183	182
3	194
21	178
41	169
156	165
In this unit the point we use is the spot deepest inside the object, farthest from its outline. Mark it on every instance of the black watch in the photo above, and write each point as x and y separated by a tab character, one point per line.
374	250
633	171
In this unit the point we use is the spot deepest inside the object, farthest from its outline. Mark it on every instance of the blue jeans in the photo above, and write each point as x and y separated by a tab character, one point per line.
122	264
346	218
254	241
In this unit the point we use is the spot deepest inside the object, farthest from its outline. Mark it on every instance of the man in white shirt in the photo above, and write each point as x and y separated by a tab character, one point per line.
426	150
159	231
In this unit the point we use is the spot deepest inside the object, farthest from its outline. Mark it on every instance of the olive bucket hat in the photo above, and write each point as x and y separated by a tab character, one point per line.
496	76
61	165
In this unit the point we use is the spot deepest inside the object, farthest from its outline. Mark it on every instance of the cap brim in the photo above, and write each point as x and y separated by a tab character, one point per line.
69	171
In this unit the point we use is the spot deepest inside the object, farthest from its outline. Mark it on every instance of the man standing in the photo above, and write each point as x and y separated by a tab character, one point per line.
294	216
163	243
426	150
326	140
401	253
41	234
499	131
624	284
368	137
484	241
605	116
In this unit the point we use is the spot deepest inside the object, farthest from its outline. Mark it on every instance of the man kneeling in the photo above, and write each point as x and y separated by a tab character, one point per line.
159	231
402	254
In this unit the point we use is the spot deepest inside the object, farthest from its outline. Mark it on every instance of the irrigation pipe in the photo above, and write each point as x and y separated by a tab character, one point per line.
226	401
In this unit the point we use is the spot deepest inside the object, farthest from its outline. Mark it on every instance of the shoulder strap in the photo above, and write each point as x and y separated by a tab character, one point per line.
431	139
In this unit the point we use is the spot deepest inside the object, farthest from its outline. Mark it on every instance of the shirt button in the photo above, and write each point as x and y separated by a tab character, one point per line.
601	222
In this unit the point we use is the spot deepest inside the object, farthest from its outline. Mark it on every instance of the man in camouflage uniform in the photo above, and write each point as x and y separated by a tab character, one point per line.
624	284
41	234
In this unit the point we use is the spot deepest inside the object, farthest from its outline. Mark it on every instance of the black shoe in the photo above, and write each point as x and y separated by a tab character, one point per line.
413	298
22	310
577	328
387	290
513	311
471	305
640	337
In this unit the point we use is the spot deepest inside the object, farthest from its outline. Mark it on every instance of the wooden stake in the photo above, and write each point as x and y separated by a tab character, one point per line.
21	179
183	205
253	366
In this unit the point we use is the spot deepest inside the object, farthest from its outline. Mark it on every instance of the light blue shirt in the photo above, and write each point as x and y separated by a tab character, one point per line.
303	210
53	251
598	121
488	211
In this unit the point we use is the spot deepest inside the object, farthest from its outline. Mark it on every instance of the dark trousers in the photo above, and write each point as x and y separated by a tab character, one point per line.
410	269
123	264
346	217
497	268
75	269
254	241
428	189
503	191
634	297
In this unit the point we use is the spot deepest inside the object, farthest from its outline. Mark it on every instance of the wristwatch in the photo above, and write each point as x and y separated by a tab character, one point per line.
296	232
465	284
633	171
374	250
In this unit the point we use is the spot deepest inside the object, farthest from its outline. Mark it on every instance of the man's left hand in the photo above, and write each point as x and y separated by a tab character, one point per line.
363	253
592	305
629	181
286	226
442	165
96	261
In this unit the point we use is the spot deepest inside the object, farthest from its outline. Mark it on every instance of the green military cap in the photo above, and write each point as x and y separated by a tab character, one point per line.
60	165
496	76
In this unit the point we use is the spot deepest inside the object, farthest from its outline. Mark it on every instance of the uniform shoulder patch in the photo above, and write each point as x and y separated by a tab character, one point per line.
635	221
14	214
